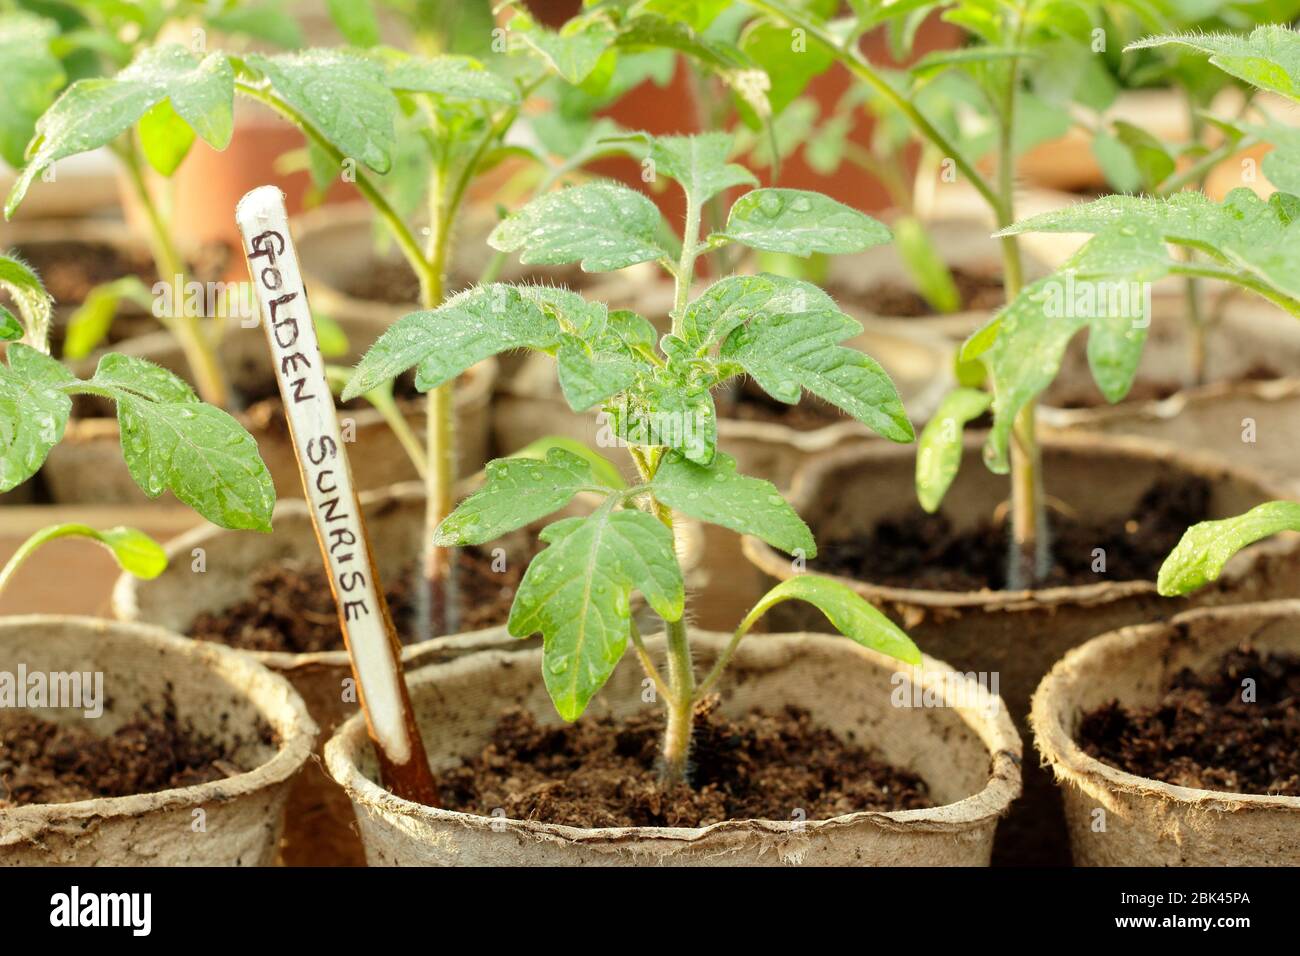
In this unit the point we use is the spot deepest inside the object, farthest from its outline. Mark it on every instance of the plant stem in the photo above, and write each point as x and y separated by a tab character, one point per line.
199	354
26	549
681	706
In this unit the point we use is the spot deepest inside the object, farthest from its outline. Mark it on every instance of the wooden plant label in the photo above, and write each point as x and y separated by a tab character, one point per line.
327	480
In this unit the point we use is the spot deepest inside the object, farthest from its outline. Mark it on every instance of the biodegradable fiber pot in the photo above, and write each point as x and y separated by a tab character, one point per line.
530	406
320	820
87	467
1019	635
1148	822
969	756
224	694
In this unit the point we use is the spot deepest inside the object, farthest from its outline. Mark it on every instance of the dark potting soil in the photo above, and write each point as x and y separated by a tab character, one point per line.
600	772
923	551
71	268
291	608
1202	734
42	761
977	291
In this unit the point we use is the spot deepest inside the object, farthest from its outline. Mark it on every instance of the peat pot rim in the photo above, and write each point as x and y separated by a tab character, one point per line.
813	473
1059	750
275	699
1158	409
997	734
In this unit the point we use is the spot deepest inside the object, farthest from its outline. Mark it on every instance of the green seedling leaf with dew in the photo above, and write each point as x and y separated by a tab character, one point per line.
1205	548
657	391
134	551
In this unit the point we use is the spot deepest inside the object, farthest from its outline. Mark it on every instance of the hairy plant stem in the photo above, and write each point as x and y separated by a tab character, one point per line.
200	356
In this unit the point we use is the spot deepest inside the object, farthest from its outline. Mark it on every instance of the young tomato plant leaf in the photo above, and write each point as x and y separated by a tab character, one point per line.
577	593
717	494
939	451
1205	548
731	302
452	77
1269	58
800	222
165	138
356	21
343	95
789	352
135	552
518	491
602	469
34	411
93	112
660	411
847	611
589	376
601	225
573	51
35	305
697	163
443	342
10	328
172	441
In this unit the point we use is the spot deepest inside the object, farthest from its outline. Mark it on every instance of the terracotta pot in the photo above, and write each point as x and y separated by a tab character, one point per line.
87	467
1149	822
1021	634
920	363
225	695
967	755
320	822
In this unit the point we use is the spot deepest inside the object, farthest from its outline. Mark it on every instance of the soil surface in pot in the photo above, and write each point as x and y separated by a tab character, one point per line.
978	292
71	268
1084	393
749	403
600	772
924	551
291	608
42	761
1202	734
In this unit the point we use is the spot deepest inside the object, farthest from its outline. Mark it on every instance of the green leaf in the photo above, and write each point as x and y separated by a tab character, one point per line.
847	611
602	225
786	353
939	452
669	413
344	95
602	469
518	492
330	336
1116	162
93	112
33	77
469	327
698	163
89	324
1206	547
452	77
34	411
790	67
165	138
1153	160
573	51
172	441
135	552
800	222
577	593
1269	58
10	328
589	376
34	304
731	302
696	14
355	20
717	494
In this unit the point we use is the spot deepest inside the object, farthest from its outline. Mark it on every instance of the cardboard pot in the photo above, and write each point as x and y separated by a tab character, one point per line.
1019	635
530	406
87	467
224	694
969	757
320	828
1148	822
